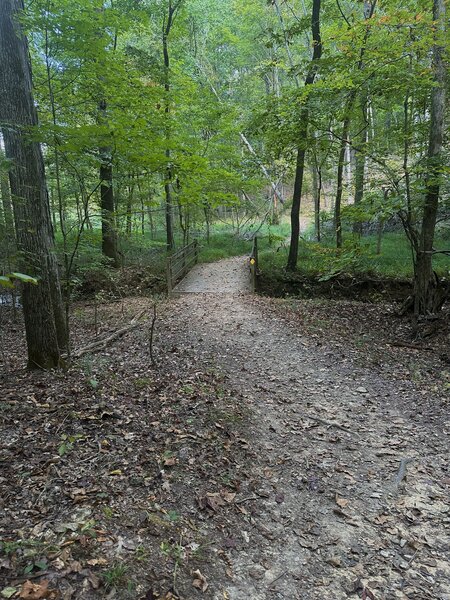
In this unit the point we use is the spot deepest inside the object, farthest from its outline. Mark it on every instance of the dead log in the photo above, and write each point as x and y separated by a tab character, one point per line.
100	344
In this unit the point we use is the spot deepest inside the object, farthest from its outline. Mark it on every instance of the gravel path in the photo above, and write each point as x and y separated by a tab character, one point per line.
351	499
230	276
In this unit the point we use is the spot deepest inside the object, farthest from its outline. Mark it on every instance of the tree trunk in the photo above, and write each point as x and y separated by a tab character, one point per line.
317	189
45	325
360	160
109	236
428	295
303	132
6	205
150	221
129	221
340	174
142	217
206	210
349	156
297	196
170	240
369	8
380	228
167	26
109	239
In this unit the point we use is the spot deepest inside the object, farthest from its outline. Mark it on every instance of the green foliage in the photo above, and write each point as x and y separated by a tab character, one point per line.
236	67
115	576
68	442
8	279
358	257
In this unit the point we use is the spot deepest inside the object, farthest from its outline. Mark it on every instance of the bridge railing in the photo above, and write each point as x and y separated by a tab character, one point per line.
180	263
254	264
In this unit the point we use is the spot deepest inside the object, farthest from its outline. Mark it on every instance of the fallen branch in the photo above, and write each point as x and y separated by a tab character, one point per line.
328	423
401	344
100	344
277	578
247	499
402	471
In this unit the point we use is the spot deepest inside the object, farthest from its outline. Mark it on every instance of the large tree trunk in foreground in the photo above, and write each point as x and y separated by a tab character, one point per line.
45	324
167	26
6	205
303	132
428	296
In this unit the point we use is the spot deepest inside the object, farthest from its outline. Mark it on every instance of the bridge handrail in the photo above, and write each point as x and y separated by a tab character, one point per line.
179	264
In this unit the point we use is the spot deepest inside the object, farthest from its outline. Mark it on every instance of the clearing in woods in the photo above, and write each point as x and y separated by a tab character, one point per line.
260	458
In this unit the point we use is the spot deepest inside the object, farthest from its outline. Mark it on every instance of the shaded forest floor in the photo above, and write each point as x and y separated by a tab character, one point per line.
277	449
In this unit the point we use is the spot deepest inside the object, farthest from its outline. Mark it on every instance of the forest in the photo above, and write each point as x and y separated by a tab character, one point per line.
224	224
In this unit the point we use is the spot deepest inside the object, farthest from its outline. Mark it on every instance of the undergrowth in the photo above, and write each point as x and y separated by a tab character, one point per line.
322	260
357	257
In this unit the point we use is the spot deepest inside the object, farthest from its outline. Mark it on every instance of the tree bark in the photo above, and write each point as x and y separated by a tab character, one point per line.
360	165
303	132
369	8
107	205
340	173
428	296
8	217
128	226
167	26
316	173
45	325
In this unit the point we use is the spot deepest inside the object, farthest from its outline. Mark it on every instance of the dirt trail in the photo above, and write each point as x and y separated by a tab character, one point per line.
352	499
229	276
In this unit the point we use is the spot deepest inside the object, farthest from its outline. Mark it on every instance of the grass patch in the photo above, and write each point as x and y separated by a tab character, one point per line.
115	576
357	257
225	244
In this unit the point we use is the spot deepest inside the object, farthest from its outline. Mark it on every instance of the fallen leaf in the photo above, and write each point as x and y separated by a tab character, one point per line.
8	592
200	581
211	501
166	486
75	566
94	580
35	591
228	496
342	502
367	594
93	562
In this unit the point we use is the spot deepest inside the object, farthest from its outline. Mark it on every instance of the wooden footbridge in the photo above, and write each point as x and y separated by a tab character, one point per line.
236	275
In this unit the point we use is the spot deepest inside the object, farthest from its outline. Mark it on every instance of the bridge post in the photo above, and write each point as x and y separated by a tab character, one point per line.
254	264
169	276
